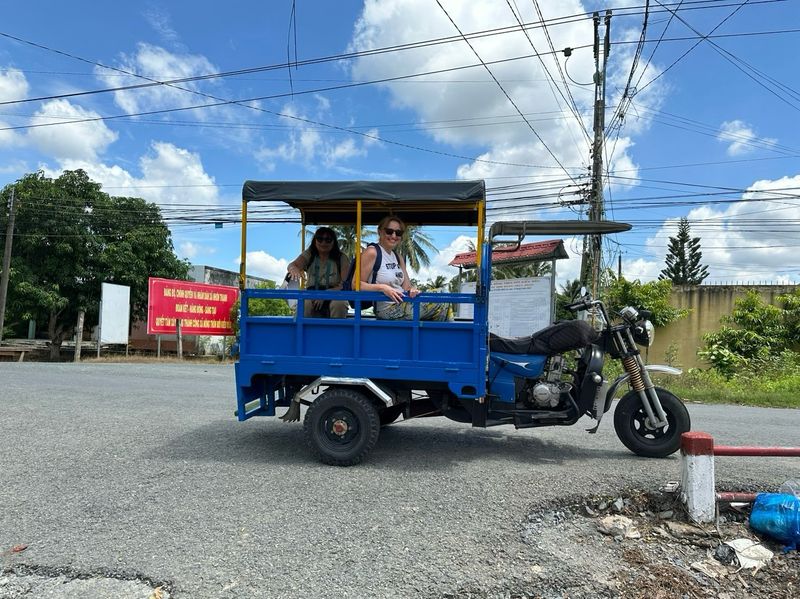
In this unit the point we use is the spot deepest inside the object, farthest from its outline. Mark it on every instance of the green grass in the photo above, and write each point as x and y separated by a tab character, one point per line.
706	386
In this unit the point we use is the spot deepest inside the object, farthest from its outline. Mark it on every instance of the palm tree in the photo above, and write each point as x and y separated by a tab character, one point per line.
438	283
414	247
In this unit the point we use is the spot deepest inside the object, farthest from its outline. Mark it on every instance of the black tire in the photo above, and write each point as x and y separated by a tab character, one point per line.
629	423
341	426
390	414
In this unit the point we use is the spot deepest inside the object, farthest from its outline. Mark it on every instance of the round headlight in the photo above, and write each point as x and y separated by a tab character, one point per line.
644	333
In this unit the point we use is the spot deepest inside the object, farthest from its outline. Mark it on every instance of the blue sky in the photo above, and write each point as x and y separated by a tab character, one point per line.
710	135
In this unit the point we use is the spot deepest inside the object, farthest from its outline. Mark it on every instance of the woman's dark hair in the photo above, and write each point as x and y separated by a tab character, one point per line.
336	253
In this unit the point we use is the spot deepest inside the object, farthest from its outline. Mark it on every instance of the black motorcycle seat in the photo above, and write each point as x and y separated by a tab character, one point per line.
560	337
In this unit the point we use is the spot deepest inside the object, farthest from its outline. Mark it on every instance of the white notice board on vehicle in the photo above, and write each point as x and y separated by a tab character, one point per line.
517	307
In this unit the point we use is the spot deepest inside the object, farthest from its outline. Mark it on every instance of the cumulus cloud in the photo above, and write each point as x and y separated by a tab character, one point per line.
72	141
507	145
262	264
745	241
164	170
741	138
160	64
190	250
440	263
306	145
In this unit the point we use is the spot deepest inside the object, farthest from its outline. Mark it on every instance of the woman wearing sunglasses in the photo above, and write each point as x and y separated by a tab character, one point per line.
391	278
325	267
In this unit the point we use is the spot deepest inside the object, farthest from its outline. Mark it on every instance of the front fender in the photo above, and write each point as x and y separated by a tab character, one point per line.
612	390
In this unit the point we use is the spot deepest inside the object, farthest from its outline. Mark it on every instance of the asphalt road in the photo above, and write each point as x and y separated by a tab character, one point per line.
141	472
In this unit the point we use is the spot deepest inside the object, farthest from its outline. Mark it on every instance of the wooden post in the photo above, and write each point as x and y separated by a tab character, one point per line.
79	335
180	338
12	208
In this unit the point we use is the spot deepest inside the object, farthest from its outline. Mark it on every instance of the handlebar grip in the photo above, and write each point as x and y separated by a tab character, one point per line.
581	305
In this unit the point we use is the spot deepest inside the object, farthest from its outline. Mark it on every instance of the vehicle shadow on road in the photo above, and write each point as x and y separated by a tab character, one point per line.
400	445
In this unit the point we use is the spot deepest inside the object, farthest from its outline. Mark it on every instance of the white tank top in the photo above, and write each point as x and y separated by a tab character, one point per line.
389	273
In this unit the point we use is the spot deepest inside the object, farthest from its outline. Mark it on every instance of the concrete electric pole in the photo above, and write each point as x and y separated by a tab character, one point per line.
592	244
6	261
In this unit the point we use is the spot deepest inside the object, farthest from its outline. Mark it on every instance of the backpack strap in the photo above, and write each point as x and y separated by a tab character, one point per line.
378	259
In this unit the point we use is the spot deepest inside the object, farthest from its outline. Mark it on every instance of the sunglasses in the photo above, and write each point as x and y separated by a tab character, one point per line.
324	239
390	231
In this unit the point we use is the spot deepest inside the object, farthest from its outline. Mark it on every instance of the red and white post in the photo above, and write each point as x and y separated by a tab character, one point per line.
697	476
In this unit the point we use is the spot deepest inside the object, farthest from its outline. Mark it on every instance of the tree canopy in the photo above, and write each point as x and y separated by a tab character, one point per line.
683	258
70	237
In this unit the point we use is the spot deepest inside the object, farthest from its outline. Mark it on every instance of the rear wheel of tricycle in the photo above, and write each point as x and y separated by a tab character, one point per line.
341	426
634	430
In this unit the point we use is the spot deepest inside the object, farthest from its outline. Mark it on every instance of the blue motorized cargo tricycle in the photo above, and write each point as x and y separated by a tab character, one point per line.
360	373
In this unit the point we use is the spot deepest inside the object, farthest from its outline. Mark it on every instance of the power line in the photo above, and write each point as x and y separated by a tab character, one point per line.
505	93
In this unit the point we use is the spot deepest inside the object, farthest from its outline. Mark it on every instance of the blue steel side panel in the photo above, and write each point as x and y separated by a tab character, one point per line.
271	347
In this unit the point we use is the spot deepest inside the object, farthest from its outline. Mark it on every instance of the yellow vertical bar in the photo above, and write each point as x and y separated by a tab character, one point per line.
243	261
302	242
357	273
481	216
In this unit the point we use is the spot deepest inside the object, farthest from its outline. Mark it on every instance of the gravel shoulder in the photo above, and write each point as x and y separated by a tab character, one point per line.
140	473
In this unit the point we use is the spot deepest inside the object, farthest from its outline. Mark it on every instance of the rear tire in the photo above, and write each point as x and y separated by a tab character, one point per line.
630	425
341	426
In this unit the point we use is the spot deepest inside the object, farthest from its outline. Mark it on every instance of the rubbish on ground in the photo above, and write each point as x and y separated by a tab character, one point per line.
711	568
750	553
777	515
618	526
682	529
725	554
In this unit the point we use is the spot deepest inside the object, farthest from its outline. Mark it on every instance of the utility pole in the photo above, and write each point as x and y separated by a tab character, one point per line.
12	209
592	244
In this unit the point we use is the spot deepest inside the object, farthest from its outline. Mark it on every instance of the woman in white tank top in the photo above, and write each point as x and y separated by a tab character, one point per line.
392	278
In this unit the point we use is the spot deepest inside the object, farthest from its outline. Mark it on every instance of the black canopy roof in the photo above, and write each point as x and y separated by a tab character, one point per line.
333	202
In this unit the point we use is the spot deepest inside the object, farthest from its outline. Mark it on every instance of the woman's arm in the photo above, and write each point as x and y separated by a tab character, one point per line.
297	267
368	257
412	291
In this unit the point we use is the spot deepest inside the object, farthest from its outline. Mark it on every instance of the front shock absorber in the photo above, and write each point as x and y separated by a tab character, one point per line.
632	368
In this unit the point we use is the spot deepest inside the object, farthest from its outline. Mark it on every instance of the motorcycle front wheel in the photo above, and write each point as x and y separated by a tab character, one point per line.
631	426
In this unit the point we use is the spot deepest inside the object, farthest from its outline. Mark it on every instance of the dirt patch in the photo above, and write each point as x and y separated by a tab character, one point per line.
653	553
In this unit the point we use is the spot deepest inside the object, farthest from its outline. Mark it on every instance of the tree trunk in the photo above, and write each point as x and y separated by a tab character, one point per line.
56	333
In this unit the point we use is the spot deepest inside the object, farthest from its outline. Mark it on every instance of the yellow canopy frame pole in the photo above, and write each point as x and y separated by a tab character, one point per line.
481	218
357	273
243	261
302	243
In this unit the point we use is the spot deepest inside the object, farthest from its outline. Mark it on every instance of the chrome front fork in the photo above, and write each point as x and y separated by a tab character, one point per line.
641	383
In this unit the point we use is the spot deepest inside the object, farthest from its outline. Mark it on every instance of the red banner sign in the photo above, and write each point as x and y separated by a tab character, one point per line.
203	309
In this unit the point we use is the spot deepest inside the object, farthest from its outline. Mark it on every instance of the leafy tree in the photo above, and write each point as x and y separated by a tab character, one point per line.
570	291
438	283
414	247
261	306
753	333
70	237
683	258
653	296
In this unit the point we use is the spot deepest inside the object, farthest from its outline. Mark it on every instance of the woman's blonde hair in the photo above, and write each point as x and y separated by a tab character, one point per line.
389	218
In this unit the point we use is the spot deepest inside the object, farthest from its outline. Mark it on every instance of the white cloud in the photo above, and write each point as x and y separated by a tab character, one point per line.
741	138
160	64
190	250
306	145
13	85
262	264
440	263
160	21
472	94
165	169
745	241
76	141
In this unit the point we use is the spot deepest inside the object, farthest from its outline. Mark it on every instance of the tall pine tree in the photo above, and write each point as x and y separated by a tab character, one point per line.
683	258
